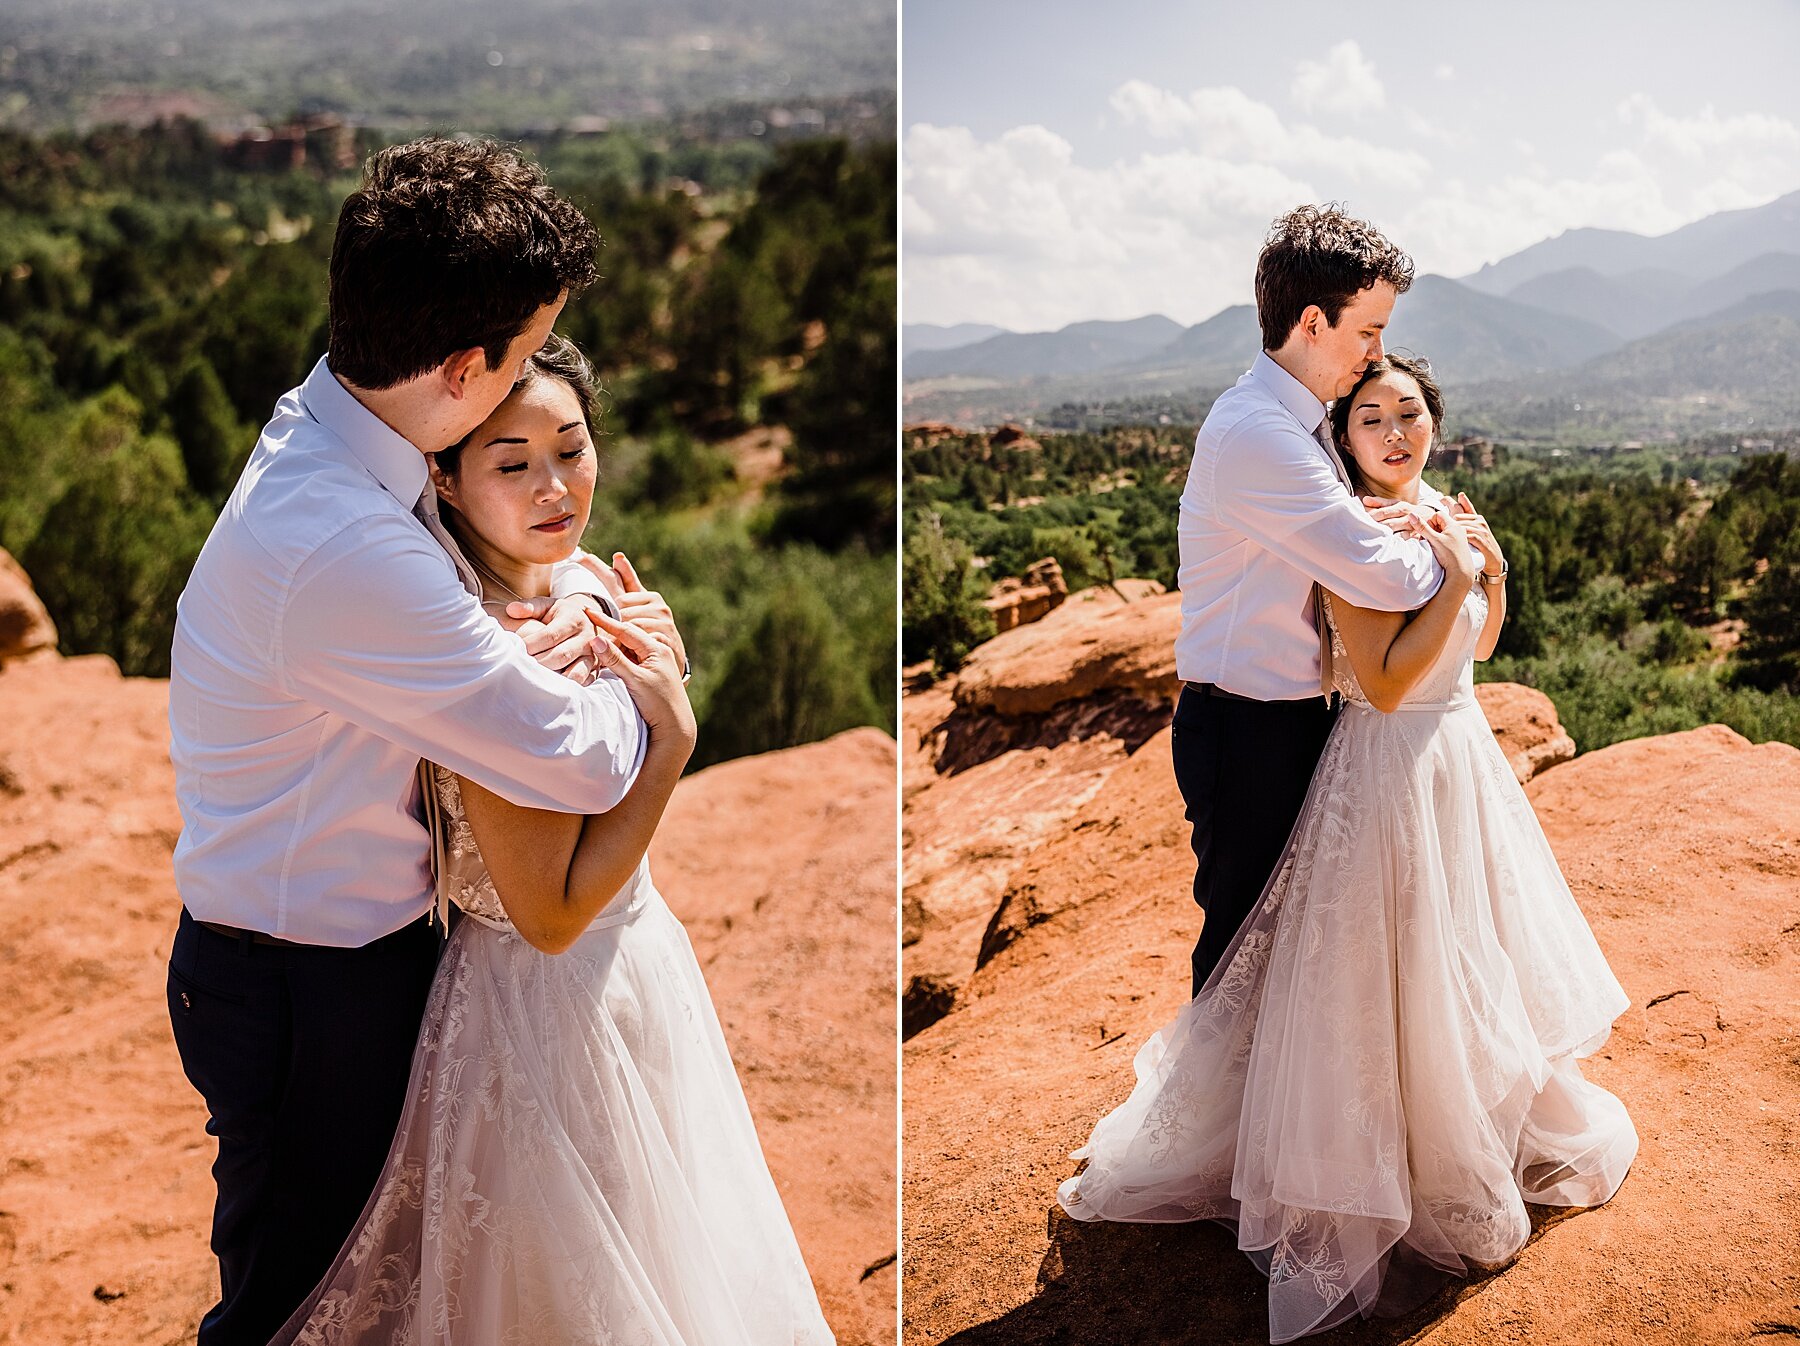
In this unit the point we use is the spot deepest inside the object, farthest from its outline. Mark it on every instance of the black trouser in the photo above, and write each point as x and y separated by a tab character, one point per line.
302	1054
1243	768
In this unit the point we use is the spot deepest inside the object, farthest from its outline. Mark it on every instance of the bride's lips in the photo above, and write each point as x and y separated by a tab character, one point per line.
1397	457
556	525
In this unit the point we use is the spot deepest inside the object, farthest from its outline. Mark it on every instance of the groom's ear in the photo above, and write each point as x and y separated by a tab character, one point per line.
462	369
1313	321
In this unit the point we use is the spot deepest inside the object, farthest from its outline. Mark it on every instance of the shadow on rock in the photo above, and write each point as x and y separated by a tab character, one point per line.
1106	1284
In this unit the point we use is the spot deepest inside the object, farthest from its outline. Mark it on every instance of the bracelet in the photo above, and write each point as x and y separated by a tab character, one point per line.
1496	579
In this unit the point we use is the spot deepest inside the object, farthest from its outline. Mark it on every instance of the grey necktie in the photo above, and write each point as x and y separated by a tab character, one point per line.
426	511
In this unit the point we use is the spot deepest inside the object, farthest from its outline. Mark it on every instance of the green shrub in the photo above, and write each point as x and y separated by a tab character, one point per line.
791	677
942	617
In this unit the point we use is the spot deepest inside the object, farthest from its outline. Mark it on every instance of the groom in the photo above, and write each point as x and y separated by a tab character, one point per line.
1266	513
328	640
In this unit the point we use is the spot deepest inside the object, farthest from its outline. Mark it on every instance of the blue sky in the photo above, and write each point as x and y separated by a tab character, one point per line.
1064	161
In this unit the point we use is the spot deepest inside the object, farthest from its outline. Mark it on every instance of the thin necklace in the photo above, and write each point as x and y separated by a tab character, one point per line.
488	574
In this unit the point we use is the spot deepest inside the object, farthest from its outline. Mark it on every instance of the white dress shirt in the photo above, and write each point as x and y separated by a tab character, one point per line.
323	645
1266	513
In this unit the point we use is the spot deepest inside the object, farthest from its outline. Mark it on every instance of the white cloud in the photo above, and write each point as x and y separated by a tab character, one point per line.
1344	82
1227	122
1750	146
1023	230
1445	72
1014	231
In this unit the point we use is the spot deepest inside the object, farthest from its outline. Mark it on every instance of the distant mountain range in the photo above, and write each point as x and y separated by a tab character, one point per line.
1079	348
928	336
1684	330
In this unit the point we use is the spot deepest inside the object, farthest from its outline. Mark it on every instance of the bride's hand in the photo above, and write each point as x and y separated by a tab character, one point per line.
1481	536
651	671
646	607
1449	542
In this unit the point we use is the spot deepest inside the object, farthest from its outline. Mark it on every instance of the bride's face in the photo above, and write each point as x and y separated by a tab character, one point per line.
525	482
1390	433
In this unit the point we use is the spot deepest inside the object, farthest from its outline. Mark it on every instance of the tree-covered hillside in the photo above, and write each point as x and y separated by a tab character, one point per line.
1651	590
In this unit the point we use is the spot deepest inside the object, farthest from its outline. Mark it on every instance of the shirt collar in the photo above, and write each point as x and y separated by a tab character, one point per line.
390	457
1289	391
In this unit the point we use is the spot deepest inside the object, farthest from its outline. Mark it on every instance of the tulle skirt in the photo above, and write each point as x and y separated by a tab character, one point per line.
1381	1070
575	1162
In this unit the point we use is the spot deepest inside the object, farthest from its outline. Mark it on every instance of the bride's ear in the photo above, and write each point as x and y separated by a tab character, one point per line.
444	483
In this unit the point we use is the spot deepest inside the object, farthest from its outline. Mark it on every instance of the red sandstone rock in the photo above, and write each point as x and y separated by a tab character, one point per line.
1012	436
781	866
1048	923
1525	723
1017	601
25	628
1093	641
1690	880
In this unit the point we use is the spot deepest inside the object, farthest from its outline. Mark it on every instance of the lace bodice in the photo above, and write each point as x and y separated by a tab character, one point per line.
1451	677
463	876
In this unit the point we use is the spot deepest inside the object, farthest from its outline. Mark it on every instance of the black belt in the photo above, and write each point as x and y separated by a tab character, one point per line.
247	936
1213	689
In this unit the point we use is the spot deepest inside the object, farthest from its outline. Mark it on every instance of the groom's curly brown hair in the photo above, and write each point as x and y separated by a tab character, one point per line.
1320	255
448	245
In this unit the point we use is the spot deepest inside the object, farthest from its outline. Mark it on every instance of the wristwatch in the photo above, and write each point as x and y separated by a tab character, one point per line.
1496	579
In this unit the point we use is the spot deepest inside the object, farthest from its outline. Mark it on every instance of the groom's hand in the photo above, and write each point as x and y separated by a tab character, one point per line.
557	634
1406	519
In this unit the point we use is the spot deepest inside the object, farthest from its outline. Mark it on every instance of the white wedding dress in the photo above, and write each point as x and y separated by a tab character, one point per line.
575	1162
1381	1070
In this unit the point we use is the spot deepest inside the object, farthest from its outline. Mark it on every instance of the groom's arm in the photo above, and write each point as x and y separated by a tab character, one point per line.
377	628
1273	486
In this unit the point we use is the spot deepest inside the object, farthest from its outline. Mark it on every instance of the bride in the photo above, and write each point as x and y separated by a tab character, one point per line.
1381	1070
575	1162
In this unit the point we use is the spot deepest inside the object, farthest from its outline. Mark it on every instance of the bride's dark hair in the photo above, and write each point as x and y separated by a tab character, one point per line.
558	358
1415	367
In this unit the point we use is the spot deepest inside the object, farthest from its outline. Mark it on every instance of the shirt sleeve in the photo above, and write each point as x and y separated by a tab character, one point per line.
571	577
1274	486
378	629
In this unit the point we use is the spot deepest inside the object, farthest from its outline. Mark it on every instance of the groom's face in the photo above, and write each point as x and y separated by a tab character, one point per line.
1344	349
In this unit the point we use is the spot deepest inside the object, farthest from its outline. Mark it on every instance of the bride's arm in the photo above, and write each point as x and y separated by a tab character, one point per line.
555	871
1493	563
1390	652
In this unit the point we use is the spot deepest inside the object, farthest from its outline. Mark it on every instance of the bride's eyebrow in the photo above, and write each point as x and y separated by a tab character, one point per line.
564	429
490	444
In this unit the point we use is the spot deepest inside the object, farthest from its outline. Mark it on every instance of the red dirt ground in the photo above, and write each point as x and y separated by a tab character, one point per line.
1064	942
782	866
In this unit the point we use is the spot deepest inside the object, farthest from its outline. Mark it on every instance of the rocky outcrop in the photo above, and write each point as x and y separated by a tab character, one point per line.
1010	436
781	867
26	630
1525	724
920	434
1093	642
1019	600
1048	925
